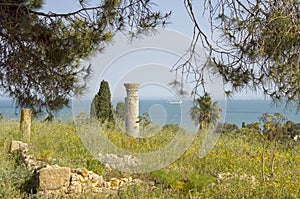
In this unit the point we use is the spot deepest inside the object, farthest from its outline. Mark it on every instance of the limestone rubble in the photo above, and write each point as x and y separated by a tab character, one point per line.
53	179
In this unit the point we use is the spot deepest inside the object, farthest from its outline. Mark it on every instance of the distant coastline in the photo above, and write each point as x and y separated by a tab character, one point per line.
237	111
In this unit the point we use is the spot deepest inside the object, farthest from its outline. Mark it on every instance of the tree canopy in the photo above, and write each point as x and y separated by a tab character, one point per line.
254	44
41	64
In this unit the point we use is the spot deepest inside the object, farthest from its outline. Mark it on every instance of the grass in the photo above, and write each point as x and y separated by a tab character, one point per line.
238	155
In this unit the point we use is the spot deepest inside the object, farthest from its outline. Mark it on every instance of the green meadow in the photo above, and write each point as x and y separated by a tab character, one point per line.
242	164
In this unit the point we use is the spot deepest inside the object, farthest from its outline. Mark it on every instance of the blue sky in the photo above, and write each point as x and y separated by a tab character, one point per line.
124	61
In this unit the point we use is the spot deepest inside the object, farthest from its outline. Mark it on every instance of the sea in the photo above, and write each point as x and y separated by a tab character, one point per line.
163	112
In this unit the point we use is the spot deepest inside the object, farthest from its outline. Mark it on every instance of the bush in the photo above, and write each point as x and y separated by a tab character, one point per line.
120	110
254	126
293	129
229	128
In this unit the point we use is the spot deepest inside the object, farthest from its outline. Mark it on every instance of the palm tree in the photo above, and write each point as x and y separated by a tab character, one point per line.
205	112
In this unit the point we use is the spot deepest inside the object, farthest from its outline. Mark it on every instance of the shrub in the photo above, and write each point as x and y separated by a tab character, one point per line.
254	126
120	110
229	128
293	129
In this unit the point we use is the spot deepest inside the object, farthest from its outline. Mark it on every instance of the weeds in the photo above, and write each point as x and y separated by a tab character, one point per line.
237	154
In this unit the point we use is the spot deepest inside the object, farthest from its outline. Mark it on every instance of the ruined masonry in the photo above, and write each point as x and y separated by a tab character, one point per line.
56	180
132	109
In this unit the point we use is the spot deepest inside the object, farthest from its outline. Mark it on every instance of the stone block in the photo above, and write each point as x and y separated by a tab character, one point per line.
54	178
18	146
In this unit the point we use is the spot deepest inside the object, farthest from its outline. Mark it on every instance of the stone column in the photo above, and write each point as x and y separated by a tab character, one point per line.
132	109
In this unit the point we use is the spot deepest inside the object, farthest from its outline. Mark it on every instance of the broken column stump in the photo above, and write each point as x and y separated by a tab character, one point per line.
25	124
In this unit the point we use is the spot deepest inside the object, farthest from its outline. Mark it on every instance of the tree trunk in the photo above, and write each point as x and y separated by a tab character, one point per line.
25	124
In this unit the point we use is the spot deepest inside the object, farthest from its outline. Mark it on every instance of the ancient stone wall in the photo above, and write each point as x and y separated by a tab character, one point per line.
56	180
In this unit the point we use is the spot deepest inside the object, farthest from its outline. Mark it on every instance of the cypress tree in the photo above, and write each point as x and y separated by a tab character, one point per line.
101	107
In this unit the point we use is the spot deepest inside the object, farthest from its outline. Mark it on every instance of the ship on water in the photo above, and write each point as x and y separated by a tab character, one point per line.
174	101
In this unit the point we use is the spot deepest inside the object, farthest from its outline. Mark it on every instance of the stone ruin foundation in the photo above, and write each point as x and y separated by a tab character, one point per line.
54	180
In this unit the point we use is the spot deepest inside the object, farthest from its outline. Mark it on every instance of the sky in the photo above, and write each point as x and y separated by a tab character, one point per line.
147	61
